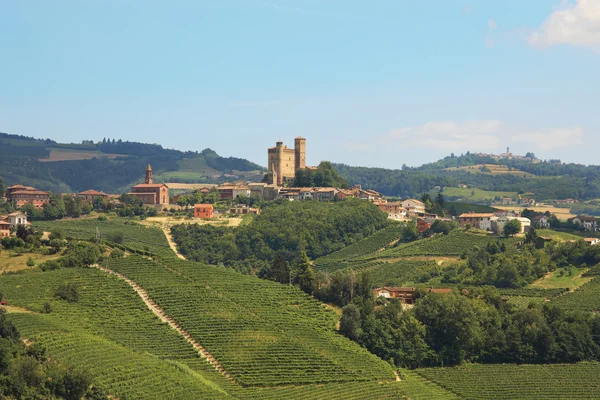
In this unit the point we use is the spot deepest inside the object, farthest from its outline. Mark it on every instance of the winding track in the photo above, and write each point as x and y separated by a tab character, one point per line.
162	315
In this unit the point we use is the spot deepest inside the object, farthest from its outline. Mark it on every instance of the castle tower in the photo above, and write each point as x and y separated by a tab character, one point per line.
300	150
148	175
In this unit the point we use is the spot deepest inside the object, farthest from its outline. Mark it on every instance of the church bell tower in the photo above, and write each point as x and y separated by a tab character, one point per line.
148	175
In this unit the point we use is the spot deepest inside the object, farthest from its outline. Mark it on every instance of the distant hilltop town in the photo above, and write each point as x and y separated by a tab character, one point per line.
510	156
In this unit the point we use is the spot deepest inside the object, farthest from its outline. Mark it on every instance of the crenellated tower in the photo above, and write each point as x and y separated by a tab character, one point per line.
300	152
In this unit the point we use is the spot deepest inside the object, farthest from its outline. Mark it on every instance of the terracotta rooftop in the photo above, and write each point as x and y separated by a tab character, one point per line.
149	185
93	192
30	192
476	215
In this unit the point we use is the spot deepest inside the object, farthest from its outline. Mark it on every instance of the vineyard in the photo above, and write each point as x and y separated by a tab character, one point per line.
376	242
131	354
453	244
121	233
279	337
527	382
584	298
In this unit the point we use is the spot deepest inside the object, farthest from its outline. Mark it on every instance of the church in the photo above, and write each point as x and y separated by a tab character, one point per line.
151	193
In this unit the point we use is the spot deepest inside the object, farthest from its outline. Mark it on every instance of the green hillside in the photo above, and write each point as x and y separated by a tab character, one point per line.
110	166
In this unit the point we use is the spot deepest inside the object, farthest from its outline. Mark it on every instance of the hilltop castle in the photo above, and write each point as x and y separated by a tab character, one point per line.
284	162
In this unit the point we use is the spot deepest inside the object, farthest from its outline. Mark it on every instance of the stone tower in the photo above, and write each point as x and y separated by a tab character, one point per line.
300	150
148	180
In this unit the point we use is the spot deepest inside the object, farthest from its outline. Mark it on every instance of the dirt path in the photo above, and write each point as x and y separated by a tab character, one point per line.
17	310
160	313
166	230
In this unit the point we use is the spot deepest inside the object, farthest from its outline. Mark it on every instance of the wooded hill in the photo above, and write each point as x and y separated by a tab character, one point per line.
110	165
545	179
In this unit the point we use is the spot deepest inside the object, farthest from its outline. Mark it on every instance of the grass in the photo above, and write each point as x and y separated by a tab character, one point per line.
462	208
561	213
556	235
494	169
10	261
568	277
474	194
72	155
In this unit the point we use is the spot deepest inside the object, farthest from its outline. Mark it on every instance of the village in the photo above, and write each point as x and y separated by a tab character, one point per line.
283	164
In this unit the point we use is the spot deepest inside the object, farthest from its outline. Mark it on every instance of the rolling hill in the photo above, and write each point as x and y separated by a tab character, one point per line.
110	166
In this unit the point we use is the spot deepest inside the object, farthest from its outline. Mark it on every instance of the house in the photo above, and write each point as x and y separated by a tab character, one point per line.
203	211
90	195
424	223
586	222
151	193
498	224
406	295
507	201
17	218
394	210
527	201
244	210
22	195
233	190
4	227
477	220
257	189
591	241
325	194
540	221
345	194
414	206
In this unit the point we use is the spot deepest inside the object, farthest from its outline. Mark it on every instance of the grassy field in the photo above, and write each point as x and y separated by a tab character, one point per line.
474	194
556	235
569	278
493	170
10	262
561	213
71	155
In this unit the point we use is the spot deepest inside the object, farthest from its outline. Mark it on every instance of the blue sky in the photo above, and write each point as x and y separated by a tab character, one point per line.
378	83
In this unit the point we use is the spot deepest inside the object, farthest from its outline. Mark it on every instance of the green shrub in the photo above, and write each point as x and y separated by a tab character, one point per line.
68	291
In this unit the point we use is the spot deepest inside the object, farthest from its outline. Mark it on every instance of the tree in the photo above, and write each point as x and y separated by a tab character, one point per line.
304	274
512	227
350	323
531	236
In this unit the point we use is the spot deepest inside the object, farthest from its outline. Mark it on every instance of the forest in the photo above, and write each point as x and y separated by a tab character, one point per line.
284	228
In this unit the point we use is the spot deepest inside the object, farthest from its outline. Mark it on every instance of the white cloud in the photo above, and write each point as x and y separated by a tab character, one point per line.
572	23
492	24
478	135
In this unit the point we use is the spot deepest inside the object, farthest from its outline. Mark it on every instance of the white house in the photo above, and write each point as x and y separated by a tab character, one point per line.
588	223
414	206
498	224
17	218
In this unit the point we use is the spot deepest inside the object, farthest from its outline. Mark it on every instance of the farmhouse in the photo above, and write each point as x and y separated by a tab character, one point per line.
203	211
244	210
540	221
498	224
478	220
586	222
233	190
149	192
591	241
